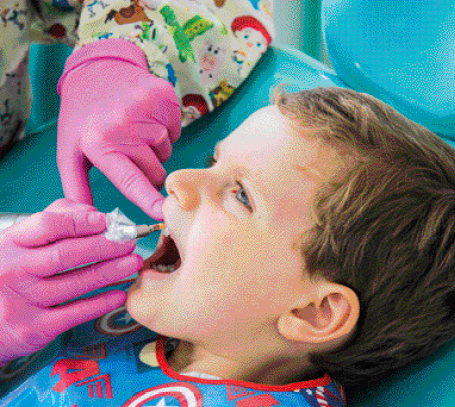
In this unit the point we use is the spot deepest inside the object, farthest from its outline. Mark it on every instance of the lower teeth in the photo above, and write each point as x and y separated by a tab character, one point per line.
164	269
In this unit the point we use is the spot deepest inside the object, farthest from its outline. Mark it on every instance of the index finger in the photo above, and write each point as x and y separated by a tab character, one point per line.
43	228
131	181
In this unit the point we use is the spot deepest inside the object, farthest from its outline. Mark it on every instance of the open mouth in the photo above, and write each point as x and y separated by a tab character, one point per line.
166	258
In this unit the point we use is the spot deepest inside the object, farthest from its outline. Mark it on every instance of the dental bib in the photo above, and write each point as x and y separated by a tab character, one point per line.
114	361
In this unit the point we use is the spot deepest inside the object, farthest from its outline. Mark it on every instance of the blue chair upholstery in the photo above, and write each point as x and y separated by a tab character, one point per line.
30	181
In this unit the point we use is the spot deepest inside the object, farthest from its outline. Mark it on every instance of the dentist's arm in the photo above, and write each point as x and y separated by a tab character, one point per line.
35	256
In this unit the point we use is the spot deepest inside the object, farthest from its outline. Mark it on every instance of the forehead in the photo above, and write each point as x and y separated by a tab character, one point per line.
268	135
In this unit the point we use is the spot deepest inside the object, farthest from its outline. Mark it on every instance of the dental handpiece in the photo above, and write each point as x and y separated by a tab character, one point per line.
8	219
140	231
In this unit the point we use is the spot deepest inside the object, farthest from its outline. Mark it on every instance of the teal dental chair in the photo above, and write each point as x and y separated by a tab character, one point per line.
397	51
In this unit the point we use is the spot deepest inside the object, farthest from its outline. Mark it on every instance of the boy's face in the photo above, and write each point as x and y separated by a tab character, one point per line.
235	225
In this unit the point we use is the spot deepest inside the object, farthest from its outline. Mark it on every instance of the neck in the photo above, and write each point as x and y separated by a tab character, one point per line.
279	371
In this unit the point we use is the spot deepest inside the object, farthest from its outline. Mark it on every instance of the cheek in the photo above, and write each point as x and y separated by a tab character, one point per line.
239	277
219	263
210	236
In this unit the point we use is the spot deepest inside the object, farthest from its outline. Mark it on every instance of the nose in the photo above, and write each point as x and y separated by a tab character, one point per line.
186	186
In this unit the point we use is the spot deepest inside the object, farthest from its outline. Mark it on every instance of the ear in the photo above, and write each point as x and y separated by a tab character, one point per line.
329	313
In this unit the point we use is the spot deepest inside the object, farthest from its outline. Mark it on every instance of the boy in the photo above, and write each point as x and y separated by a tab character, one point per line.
319	240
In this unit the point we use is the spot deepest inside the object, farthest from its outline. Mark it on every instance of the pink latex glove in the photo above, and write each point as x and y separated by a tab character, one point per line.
34	252
116	116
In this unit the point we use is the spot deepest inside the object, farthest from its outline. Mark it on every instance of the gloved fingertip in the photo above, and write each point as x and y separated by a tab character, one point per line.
140	260
136	263
157	210
116	299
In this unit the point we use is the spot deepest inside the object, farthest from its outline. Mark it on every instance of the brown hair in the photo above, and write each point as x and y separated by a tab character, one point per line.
385	227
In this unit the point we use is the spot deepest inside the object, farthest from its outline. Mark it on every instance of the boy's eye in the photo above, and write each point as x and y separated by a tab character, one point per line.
242	196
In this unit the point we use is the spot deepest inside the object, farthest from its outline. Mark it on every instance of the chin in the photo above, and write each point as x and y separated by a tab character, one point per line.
133	306
142	312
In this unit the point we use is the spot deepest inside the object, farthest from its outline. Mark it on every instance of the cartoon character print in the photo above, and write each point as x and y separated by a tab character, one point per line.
62	5
183	35
182	43
195	26
171	77
211	58
146	30
263	5
255	3
194	106
57	31
323	397
83	371
15	16
221	93
93	4
132	14
253	39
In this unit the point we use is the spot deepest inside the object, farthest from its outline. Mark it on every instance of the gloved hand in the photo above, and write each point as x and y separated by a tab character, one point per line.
116	116
32	254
